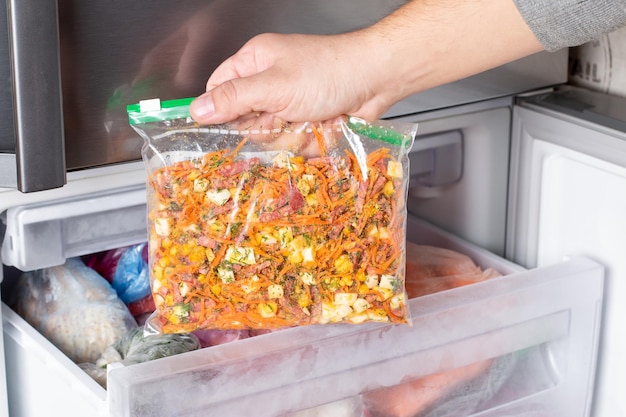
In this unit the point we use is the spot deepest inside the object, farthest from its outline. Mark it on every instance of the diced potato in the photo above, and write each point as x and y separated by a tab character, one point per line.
394	169
219	197
200	185
162	226
180	311
377	315
383	293
371	281
387	281
307	278
308	255
226	274
397	301
282	161
158	300
334	313
345	298
240	255
183	288
379	232
275	291
360	305
358	318
156	284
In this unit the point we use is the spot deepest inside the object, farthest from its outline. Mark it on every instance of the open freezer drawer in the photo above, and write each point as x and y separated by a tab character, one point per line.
549	317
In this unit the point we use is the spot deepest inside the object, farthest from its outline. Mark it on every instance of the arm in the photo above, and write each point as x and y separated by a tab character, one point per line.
423	44
563	23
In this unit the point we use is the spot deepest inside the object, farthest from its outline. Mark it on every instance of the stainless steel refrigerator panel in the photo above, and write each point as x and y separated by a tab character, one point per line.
7	137
37	103
117	52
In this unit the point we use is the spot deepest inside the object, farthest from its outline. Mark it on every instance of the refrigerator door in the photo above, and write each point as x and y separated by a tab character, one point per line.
567	198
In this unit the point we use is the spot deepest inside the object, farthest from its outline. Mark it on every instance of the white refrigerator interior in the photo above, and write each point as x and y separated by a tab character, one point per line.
568	199
538	327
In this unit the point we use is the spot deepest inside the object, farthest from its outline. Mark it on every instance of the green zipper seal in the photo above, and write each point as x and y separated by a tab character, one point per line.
179	109
364	128
168	110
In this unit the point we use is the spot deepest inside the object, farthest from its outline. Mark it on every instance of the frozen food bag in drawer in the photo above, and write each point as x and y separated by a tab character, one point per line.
266	224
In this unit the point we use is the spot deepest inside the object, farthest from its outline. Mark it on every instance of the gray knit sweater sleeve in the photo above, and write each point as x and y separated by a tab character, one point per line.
561	23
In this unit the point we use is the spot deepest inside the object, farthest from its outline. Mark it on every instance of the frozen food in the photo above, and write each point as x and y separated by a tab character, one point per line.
135	347
127	270
240	244
452	392
245	236
432	269
73	307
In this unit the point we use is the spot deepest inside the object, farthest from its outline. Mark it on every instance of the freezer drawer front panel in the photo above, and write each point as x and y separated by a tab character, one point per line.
553	309
537	327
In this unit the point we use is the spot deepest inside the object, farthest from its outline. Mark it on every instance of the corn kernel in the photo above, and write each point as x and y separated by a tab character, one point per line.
304	300
295	257
311	200
388	189
157	272
166	243
267	310
346	280
304	187
216	289
164	261
343	265
197	255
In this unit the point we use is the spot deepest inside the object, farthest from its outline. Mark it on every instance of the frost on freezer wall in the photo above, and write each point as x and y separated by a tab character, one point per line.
600	65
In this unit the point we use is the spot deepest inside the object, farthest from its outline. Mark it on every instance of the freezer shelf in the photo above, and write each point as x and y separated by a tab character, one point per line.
555	310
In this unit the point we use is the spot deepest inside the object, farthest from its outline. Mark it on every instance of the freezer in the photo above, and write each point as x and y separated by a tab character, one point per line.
531	334
543	336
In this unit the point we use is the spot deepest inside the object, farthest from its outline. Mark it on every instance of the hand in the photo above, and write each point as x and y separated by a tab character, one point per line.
295	78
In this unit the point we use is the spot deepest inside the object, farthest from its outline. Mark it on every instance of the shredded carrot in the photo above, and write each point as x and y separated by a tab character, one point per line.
236	243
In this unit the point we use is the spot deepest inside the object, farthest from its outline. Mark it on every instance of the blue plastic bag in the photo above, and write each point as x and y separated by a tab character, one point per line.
131	279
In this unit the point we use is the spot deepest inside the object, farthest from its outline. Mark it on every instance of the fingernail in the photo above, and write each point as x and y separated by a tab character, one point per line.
203	106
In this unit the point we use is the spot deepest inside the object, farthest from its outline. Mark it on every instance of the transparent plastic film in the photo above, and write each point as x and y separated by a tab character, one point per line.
262	224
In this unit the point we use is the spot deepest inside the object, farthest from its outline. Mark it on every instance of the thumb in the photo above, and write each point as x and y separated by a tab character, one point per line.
228	101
